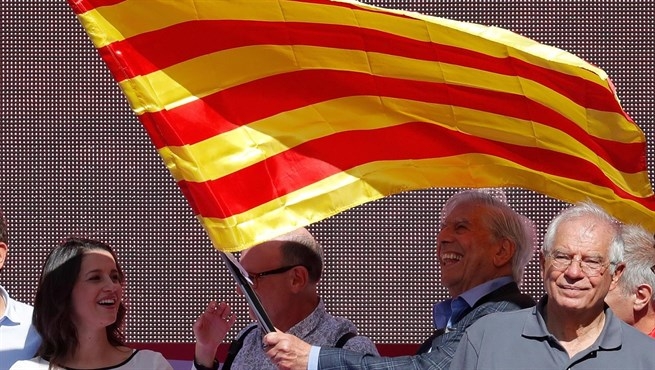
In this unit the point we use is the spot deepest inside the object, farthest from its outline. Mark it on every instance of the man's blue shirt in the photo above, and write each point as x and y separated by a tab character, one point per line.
447	313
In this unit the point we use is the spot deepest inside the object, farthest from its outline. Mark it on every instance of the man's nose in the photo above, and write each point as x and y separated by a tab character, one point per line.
574	268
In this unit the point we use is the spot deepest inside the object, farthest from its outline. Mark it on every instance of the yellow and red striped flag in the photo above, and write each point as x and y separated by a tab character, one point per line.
274	114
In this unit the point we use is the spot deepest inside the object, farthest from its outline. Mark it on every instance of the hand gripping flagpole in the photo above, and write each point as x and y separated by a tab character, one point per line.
241	277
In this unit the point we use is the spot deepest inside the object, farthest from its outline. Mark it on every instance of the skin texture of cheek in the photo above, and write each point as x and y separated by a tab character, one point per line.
579	293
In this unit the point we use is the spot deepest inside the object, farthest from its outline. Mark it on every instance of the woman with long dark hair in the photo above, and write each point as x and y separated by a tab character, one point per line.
79	312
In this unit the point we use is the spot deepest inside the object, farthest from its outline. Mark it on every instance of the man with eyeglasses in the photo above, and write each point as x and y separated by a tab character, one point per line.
284	272
633	298
483	247
571	327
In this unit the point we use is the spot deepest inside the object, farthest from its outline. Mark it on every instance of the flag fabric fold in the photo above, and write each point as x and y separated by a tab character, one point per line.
274	114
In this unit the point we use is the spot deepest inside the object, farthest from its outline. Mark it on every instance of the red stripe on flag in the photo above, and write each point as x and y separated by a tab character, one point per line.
190	39
201	119
298	167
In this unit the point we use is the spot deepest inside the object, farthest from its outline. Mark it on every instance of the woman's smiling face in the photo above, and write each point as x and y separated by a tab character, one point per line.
98	291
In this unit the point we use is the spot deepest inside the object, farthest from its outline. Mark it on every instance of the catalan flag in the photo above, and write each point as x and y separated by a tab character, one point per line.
273	114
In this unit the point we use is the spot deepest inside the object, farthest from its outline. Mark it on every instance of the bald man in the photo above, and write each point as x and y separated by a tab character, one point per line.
285	273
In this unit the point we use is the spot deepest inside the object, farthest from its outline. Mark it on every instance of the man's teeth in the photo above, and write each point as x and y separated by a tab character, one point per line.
451	257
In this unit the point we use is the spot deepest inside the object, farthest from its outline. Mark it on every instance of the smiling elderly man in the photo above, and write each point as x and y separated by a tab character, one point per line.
571	327
483	247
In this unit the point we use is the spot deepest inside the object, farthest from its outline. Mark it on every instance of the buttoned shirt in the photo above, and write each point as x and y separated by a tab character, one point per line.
19	339
446	313
521	340
318	328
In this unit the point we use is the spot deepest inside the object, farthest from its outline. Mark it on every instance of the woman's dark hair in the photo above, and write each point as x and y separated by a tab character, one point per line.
53	304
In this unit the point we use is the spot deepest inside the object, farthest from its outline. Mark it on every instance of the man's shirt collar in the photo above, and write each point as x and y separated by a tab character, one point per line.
448	312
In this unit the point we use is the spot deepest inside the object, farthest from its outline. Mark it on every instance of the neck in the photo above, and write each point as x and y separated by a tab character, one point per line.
575	331
646	323
95	351
3	306
298	311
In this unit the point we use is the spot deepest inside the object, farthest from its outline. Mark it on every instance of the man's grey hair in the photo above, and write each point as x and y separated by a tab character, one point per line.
504	222
587	209
639	259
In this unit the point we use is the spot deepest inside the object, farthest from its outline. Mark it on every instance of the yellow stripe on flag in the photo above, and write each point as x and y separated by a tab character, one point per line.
372	181
251	144
149	16
243	110
181	84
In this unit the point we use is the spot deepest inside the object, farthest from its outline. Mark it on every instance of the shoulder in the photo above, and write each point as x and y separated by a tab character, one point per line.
343	327
509	294
149	359
626	345
505	304
247	332
18	310
634	337
20	305
501	320
342	323
335	326
322	326
148	353
36	363
617	333
247	329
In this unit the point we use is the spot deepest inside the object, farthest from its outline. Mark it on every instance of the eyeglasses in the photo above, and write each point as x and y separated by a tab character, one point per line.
590	266
254	278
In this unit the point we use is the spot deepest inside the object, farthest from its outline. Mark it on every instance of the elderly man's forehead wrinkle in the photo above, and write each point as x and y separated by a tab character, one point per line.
588	231
586	234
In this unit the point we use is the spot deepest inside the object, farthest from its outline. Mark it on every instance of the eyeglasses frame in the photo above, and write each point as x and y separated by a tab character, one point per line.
602	270
254	278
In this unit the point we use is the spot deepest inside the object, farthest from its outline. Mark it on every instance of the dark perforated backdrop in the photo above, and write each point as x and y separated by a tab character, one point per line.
75	160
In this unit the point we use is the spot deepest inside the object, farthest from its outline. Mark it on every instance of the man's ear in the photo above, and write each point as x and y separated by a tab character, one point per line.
299	278
618	271
542	265
3	253
504	253
643	297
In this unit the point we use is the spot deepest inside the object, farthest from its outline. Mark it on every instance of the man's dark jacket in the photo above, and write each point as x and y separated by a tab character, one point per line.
443	344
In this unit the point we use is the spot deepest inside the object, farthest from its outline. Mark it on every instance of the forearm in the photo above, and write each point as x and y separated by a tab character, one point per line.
205	355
